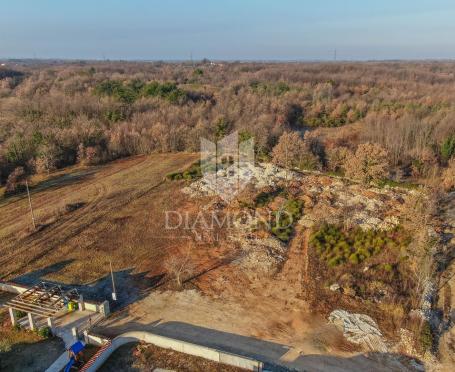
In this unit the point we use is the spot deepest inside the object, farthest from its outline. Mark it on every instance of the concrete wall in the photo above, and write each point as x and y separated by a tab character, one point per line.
91	338
13	288
91	306
181	346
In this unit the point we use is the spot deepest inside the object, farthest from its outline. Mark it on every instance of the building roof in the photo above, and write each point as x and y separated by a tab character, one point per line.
43	299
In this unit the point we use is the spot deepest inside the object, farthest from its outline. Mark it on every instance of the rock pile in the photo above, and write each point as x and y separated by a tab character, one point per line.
359	329
261	256
229	181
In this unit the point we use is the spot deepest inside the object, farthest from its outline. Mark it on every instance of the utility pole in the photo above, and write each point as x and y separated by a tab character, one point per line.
114	294
30	204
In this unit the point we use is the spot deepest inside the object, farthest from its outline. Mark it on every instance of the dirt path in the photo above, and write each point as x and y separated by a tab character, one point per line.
292	277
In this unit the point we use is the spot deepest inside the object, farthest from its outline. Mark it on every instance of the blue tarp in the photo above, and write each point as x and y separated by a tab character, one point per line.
77	347
69	365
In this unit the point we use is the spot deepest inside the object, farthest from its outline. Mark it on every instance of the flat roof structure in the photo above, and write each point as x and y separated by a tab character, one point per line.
43	299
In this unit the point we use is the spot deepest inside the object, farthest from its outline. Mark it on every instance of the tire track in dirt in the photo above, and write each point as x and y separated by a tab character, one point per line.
41	197
295	269
107	170
91	204
75	224
53	235
62	230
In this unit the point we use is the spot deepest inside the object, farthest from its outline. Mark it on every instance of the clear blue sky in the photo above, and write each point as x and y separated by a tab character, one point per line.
228	29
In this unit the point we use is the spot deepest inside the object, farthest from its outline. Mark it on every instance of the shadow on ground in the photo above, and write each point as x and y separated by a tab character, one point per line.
55	182
28	357
130	287
276	357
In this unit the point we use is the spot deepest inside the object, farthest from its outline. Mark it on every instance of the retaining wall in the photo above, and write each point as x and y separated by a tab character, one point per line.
177	345
13	288
97	340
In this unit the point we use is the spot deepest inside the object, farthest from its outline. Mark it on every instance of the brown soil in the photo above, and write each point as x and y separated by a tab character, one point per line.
122	206
137	357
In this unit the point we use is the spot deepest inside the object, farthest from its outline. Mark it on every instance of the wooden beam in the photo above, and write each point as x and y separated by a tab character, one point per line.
33	311
42	307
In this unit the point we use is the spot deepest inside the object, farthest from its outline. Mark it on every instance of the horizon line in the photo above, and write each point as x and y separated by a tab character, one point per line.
234	60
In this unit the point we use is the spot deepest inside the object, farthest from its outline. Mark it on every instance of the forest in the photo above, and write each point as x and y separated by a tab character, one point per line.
390	122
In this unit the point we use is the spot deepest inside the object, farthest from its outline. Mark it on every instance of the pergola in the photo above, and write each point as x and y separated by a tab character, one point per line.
43	299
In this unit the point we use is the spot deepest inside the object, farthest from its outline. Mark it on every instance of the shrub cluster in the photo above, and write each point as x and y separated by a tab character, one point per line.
274	89
337	247
191	173
45	332
265	197
129	92
285	218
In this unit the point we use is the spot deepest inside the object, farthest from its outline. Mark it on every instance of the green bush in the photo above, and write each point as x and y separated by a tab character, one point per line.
337	247
406	185
115	115
283	221
114	88
19	314
45	332
198	72
448	148
265	198
354	258
167	90
426	337
191	173
387	267
272	89
135	89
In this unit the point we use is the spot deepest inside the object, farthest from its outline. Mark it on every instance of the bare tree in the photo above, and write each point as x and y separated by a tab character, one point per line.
292	151
370	162
180	266
16	181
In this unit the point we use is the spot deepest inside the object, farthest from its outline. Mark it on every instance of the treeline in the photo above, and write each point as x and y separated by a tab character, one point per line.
58	115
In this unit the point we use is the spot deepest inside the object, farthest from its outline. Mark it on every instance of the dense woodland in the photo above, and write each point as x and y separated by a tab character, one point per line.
371	121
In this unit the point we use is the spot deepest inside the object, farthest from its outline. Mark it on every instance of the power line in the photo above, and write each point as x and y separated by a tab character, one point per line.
30	204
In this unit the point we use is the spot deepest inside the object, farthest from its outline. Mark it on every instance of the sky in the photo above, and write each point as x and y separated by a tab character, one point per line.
228	29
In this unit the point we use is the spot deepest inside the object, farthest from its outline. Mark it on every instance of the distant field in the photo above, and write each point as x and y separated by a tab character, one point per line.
87	216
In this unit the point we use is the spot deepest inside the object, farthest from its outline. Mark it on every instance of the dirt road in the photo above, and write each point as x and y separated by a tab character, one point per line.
228	326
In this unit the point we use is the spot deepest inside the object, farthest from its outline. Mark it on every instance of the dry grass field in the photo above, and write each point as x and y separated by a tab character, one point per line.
87	216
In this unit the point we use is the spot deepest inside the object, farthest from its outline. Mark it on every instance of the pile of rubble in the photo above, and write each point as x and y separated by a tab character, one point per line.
234	178
326	199
329	199
261	257
339	202
359	329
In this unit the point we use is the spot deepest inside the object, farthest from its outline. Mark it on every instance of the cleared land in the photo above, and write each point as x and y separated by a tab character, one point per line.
88	216
265	295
